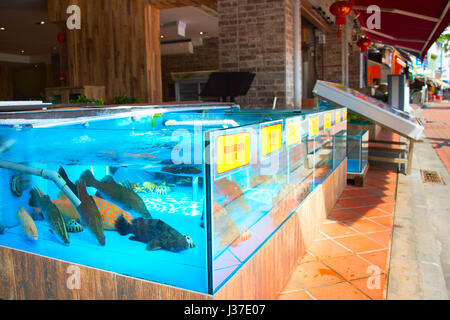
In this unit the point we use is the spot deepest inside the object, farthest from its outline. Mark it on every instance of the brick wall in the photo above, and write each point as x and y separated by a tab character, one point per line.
256	36
205	58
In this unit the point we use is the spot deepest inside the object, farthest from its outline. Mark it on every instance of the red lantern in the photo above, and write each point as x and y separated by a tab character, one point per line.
62	78
341	9
61	37
363	43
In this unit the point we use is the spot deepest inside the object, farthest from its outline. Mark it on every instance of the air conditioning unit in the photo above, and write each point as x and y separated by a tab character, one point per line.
173	48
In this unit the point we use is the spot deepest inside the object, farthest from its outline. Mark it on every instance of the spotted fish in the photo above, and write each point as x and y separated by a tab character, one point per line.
27	223
51	213
155	233
73	226
123	197
109	212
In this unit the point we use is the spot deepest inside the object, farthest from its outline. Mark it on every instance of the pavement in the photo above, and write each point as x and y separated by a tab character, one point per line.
349	259
420	259
396	228
436	121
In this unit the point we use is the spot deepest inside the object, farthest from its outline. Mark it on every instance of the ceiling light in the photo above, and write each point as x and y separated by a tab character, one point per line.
22	51
162	37
2	28
42	22
201	32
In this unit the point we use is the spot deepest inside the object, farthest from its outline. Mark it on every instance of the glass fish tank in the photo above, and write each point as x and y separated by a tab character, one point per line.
182	198
357	150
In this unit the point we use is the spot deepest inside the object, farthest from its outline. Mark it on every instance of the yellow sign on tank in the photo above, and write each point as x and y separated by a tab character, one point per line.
233	151
271	139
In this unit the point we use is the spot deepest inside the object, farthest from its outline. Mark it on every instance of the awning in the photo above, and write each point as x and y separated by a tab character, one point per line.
408	24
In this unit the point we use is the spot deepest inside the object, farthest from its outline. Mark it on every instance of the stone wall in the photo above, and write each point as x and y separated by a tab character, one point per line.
256	36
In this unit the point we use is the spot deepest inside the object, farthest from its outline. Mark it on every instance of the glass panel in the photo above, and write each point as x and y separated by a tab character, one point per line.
127	167
257	182
357	150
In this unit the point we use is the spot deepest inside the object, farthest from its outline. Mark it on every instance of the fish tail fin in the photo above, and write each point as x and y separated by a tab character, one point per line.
123	226
63	175
34	198
88	178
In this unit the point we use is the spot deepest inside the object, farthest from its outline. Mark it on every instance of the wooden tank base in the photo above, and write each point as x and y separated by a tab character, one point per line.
25	276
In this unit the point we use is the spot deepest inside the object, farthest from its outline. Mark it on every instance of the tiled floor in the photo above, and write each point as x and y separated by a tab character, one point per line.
437	129
349	260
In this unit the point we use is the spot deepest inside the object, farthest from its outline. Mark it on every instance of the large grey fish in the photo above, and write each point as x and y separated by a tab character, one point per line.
89	213
51	214
123	197
155	233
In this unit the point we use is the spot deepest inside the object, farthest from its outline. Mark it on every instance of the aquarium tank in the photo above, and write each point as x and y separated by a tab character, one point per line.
179	198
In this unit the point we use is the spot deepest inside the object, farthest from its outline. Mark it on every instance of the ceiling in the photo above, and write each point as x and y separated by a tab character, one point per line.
195	19
22	33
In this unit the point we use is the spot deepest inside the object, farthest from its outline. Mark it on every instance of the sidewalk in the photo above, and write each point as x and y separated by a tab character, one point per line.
350	258
436	118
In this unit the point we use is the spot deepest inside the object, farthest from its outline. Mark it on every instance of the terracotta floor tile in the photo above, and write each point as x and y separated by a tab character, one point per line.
386	221
339	291
324	249
388	208
383	237
359	243
369	212
379	258
344	215
354	194
314	274
349	203
350	267
365	226
375	200
374	287
307	258
291	286
298	295
336	229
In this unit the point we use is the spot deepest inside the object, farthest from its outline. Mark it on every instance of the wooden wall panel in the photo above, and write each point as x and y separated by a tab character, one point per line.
7	287
117	46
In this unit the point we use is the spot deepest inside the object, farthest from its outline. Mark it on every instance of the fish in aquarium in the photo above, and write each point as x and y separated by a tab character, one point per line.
182	169
233	193
2	229
109	190
70	184
226	229
51	214
109	211
27	224
155	233
89	213
19	183
73	226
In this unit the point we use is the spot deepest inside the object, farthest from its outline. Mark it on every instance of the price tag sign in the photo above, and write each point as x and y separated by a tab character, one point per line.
344	114
327	121
271	138
313	126
233	152
338	116
293	132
